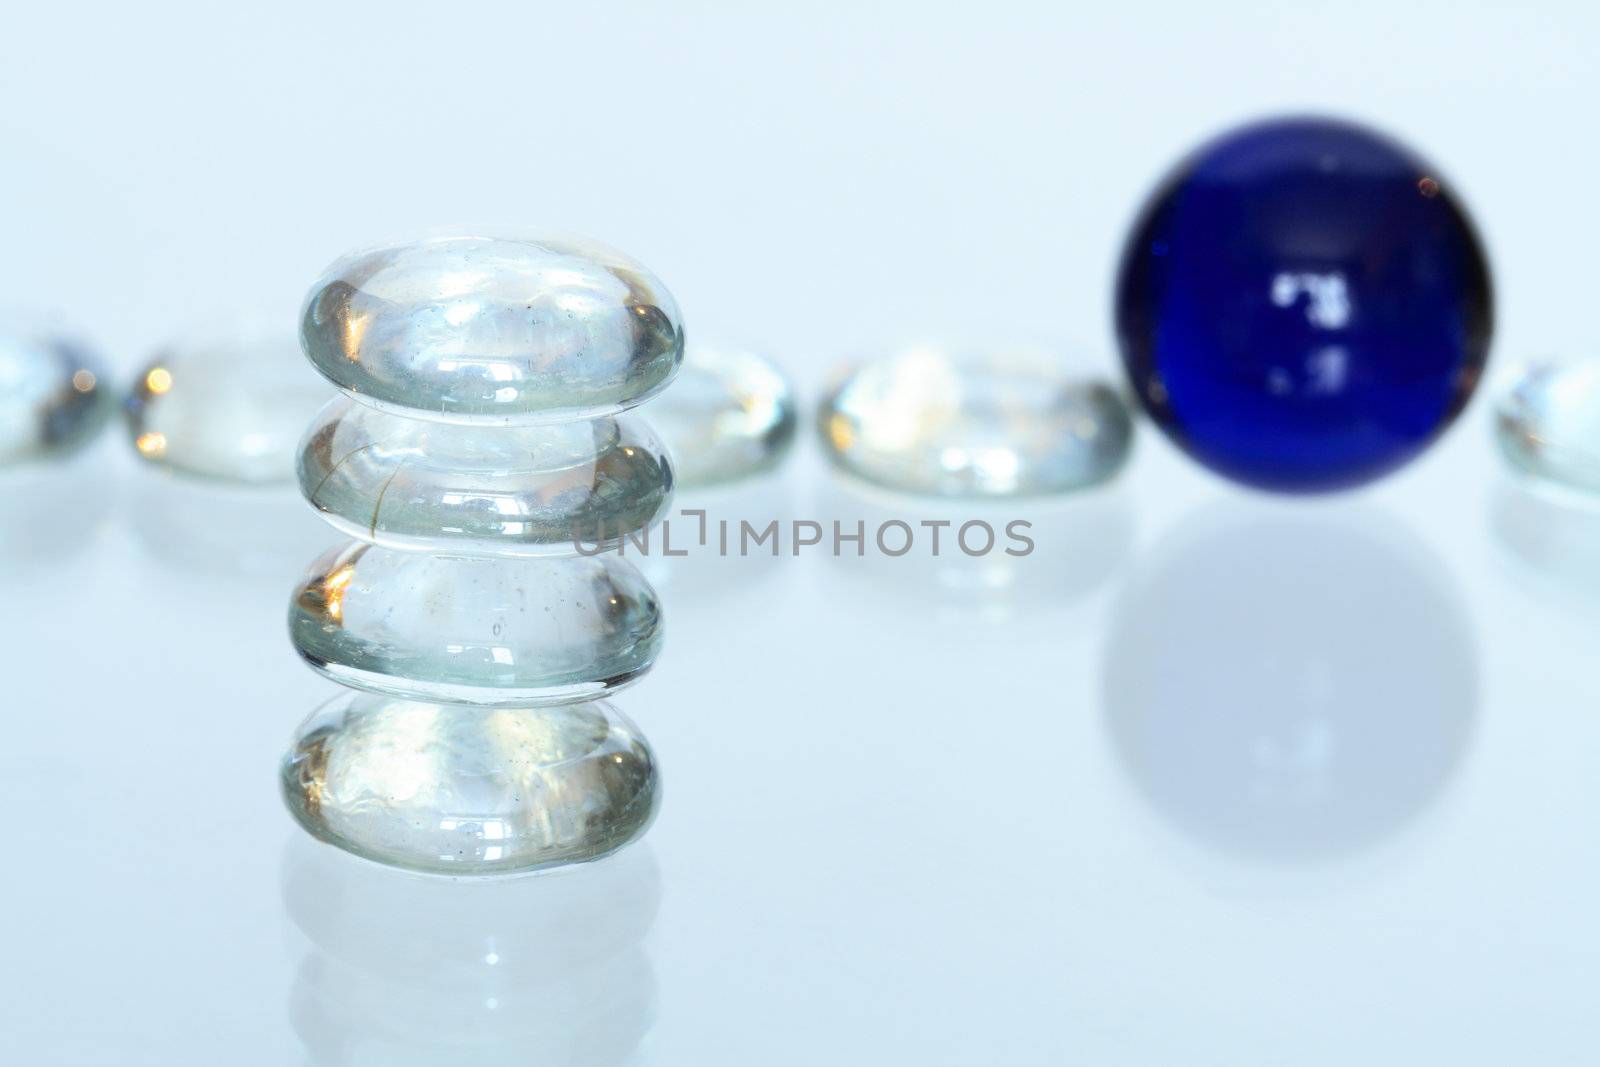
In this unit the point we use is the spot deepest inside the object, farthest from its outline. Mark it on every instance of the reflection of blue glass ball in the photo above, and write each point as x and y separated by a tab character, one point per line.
1302	306
1347	723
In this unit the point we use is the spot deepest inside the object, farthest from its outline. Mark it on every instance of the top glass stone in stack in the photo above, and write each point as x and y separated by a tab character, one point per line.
494	330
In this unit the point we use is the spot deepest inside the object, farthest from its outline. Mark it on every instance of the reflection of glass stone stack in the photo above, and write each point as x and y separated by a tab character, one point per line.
478	449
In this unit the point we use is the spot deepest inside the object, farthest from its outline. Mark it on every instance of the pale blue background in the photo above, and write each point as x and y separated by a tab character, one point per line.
903	821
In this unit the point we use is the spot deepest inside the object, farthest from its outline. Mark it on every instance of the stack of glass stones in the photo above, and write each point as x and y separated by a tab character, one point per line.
480	463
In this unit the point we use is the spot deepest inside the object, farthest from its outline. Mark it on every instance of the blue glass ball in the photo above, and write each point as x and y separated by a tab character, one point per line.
1303	306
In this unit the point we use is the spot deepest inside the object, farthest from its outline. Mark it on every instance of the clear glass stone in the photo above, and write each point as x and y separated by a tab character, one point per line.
1005	423
53	396
462	790
1548	424
228	409
505	490
730	415
476	630
499	330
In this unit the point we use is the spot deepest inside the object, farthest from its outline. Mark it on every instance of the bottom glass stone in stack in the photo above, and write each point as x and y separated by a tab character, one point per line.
460	789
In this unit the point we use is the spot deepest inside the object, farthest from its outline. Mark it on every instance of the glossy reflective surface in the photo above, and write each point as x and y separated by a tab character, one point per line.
485	329
729	415
1303	305
476	630
227	409
505	490
1548	424
53	396
1004	423
458	790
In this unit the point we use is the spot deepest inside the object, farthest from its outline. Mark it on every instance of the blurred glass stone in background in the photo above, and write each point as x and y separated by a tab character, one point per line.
471	328
1001	423
476	630
459	790
499	490
54	396
230	409
730	415
1548	424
